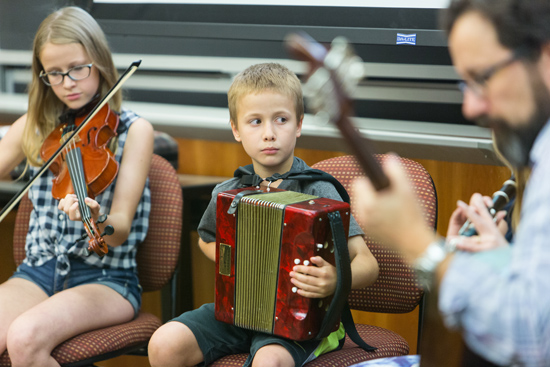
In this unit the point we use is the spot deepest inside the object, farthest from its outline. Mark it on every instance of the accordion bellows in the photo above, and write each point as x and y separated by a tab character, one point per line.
257	246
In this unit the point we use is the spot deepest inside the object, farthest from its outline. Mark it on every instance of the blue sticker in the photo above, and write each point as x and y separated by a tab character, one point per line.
406	39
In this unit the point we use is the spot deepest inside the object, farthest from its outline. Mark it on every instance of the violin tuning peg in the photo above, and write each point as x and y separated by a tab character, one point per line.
109	230
102	218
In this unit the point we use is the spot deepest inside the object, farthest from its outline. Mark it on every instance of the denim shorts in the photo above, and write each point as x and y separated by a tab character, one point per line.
124	282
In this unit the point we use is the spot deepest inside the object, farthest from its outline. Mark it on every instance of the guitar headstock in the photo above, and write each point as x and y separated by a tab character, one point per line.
333	75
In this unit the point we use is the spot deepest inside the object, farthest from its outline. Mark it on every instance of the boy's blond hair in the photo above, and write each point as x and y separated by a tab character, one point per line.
65	26
262	77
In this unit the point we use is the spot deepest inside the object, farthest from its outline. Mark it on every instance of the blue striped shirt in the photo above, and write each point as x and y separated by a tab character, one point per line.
501	298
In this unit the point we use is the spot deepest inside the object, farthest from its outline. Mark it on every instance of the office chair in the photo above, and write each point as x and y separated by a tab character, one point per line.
156	258
396	289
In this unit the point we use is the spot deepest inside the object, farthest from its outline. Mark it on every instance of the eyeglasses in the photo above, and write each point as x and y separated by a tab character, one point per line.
478	84
78	72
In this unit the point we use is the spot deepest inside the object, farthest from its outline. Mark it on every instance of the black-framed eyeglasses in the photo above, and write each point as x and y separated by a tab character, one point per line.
478	83
78	72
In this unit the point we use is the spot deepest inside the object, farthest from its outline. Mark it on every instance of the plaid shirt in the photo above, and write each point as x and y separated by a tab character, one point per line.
52	234
501	298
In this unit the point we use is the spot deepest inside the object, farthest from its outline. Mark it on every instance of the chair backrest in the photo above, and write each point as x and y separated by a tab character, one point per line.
157	256
396	289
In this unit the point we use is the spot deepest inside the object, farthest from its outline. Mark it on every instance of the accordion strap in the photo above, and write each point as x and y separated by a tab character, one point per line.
339	306
249	178
235	203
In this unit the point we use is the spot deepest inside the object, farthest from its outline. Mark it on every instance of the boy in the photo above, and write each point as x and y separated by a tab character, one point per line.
266	111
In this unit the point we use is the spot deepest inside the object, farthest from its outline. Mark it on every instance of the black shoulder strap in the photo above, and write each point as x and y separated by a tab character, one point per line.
339	305
249	178
313	174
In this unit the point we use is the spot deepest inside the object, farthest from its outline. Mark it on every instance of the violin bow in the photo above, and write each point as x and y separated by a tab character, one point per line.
333	74
13	202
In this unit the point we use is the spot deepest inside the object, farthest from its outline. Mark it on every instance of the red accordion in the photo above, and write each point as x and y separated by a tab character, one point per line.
260	236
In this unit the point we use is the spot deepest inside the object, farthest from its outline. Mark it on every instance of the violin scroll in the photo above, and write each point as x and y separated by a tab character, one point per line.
96	243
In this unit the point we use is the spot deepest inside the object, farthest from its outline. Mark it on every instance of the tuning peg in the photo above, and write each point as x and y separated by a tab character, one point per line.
109	230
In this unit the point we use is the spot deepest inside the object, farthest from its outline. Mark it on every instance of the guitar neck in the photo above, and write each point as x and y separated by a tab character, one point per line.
362	149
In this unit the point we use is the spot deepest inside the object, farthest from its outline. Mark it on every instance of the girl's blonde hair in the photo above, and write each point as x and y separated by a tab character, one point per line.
262	77
65	26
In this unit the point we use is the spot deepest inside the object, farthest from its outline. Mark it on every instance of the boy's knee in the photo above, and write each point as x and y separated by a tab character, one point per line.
173	344
159	349
273	355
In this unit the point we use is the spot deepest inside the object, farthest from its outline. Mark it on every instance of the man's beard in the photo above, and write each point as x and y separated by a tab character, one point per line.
515	142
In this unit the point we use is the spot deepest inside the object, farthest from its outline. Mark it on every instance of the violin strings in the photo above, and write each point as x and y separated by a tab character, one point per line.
76	172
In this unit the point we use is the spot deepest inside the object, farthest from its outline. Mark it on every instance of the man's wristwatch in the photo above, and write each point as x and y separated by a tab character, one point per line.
425	265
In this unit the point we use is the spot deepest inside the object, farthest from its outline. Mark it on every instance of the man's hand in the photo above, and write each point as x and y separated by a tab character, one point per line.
489	230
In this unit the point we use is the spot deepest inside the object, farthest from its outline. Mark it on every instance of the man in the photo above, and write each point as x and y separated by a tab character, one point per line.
500	298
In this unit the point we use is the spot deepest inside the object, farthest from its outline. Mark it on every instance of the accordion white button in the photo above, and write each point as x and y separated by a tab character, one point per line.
296	261
320	245
306	262
294	289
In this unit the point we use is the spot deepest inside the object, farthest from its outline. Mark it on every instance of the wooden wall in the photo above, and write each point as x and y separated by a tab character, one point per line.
453	181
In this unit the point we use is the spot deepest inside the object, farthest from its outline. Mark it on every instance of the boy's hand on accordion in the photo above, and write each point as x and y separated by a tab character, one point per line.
317	280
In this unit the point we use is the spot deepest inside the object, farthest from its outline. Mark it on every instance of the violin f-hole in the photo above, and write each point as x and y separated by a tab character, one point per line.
89	135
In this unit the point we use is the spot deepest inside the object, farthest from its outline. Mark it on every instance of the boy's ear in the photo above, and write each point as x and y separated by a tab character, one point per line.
299	127
235	131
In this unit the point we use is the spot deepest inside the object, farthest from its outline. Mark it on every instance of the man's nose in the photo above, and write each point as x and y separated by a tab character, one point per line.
473	105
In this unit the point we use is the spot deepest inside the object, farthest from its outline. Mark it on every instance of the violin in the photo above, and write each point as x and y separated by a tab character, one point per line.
86	166
99	164
91	228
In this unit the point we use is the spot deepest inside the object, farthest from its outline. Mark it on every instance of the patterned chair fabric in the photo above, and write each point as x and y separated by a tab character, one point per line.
395	291
157	259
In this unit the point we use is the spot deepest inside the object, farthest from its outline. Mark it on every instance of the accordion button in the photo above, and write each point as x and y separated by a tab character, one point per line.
306	262
294	289
296	261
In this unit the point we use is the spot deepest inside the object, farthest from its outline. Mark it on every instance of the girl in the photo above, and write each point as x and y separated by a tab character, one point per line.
58	291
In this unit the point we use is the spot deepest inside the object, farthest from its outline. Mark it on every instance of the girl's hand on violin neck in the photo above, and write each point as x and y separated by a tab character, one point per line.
69	204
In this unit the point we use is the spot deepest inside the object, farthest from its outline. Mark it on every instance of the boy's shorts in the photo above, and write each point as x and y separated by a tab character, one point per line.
125	283
217	339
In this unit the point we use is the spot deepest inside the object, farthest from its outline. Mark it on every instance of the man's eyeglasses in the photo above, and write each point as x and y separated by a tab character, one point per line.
78	72
478	83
